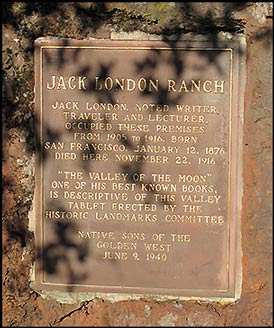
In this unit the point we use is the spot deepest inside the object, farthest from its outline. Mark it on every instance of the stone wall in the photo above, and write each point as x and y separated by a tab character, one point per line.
23	22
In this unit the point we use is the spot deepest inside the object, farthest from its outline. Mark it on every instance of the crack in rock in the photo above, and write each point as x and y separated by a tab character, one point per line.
83	306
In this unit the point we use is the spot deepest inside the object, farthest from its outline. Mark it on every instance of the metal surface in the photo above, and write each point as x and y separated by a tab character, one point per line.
136	167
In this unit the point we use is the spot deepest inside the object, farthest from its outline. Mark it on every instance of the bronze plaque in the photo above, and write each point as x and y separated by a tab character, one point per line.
136	169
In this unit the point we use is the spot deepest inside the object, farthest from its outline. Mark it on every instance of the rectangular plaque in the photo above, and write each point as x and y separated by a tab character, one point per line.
137	187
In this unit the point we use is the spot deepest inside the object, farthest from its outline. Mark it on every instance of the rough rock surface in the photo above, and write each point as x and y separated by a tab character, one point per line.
23	22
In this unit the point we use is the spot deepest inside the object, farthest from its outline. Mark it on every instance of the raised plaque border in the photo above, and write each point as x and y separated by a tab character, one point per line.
235	152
